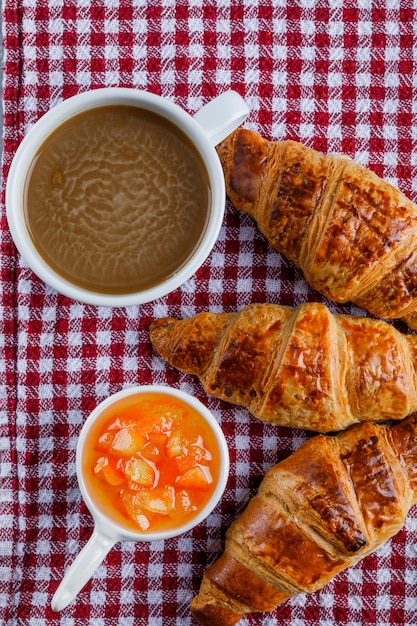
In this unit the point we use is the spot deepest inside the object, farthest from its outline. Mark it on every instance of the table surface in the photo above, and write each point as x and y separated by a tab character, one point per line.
339	77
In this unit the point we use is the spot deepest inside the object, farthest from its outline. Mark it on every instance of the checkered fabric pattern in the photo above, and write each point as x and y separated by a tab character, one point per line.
337	76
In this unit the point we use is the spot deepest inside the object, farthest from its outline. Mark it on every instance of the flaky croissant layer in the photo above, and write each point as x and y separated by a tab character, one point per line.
304	367
328	505
352	233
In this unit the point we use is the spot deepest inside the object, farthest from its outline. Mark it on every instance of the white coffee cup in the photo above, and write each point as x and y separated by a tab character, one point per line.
205	129
108	532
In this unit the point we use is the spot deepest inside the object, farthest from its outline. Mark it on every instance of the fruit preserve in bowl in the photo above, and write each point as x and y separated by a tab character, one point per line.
152	463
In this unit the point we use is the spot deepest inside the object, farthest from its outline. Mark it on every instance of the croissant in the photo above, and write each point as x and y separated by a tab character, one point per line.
325	507
304	367
352	234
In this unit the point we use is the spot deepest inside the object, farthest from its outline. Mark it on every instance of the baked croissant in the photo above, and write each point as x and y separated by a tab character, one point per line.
304	367
352	234
324	508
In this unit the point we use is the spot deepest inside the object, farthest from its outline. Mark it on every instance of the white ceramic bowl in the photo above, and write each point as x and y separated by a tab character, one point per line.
107	531
209	126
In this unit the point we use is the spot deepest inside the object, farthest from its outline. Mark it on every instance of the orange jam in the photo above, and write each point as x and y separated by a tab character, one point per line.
151	462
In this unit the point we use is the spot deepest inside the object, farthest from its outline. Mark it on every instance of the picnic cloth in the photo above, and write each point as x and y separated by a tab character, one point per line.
337	76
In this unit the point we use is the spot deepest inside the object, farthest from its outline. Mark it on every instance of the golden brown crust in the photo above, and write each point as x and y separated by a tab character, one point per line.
273	538
328	505
411	320
212	608
249	343
294	185
241	585
203	333
382	488
346	228
380	375
316	489
369	228
243	178
303	367
404	441
303	385
396	291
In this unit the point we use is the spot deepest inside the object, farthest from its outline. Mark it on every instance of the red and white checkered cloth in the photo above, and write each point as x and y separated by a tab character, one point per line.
337	76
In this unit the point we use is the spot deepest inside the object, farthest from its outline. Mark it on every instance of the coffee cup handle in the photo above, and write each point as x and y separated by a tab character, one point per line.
222	115
81	570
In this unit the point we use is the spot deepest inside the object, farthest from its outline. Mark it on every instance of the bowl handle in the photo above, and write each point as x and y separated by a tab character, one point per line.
81	570
222	115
